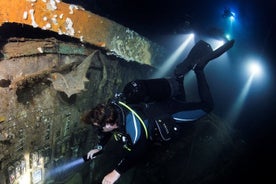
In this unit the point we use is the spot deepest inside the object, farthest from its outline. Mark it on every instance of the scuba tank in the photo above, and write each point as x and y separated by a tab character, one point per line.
150	90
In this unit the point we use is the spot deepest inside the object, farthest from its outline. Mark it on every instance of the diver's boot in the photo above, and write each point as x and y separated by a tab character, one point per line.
203	61
200	49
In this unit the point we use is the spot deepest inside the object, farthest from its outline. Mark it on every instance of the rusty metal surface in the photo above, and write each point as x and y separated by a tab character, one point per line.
74	21
39	46
37	119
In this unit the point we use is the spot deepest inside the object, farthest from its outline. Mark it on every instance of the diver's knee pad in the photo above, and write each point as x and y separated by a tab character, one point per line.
147	90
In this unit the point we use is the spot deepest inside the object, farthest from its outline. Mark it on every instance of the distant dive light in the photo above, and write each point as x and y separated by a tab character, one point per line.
228	14
228	36
255	69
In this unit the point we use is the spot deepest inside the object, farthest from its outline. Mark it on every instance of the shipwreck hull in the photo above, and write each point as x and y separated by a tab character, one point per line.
75	22
40	123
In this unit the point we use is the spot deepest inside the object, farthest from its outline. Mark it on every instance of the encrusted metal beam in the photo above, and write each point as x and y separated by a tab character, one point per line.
74	21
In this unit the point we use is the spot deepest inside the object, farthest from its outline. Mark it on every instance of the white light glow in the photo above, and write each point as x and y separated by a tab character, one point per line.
173	58
255	66
215	43
234	112
25	178
255	69
218	43
232	18
228	36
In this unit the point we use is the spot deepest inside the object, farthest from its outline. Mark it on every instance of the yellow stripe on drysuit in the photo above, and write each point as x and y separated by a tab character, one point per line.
140	119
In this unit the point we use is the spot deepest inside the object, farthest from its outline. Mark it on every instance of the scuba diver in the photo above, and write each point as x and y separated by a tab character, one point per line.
152	110
227	13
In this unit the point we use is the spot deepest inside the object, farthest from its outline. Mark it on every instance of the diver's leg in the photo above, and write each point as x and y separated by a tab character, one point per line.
177	88
203	61
152	90
200	55
146	91
184	111
204	91
199	50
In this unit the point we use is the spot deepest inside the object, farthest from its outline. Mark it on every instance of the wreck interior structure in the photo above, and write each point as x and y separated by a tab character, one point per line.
58	61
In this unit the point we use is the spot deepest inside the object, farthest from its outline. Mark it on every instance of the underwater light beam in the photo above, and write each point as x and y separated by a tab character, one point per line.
254	71
236	108
65	167
70	165
173	58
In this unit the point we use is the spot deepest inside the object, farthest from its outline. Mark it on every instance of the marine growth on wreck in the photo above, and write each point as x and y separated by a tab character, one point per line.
74	21
47	83
43	96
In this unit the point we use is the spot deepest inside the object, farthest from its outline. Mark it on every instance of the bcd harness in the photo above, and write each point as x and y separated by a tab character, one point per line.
132	128
165	127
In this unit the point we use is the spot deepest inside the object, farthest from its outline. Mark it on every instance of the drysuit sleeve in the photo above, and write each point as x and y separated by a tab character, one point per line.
103	138
133	156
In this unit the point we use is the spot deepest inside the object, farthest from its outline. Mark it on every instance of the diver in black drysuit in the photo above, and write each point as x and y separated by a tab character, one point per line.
153	110
165	98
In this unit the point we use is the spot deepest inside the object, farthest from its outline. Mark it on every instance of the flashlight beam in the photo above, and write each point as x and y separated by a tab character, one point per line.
64	168
236	108
173	58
